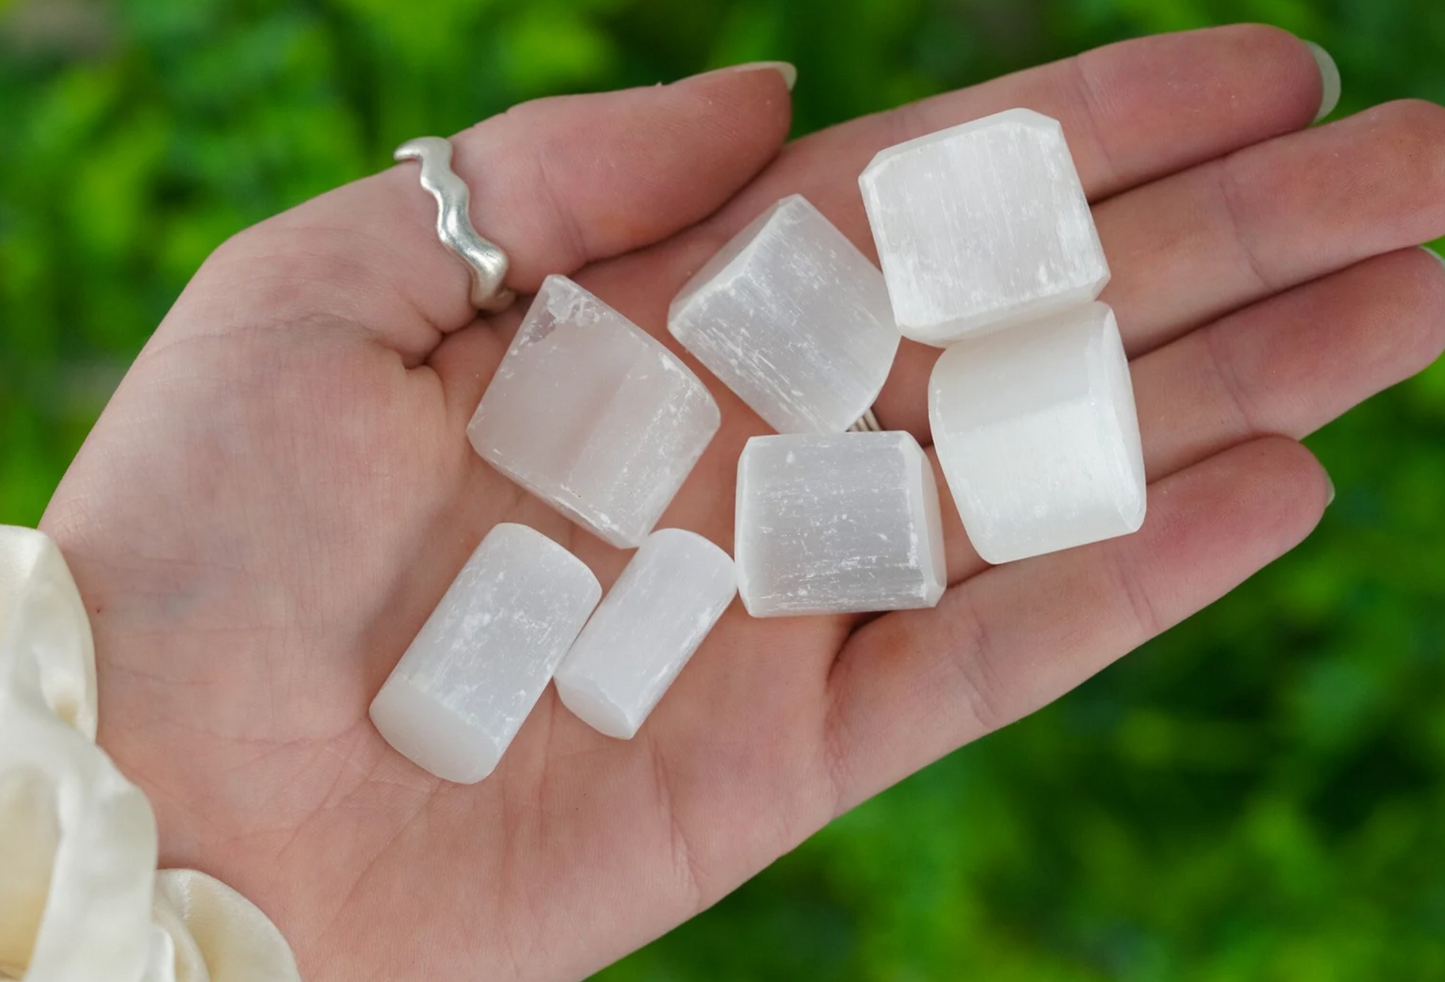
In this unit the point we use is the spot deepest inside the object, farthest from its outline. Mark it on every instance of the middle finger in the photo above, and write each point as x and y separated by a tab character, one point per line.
1188	248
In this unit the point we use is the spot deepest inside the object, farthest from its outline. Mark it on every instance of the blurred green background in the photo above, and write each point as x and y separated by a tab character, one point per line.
1259	795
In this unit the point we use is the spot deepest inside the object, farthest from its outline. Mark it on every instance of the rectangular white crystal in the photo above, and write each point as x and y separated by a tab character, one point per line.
1036	431
835	523
460	693
655	616
982	226
592	415
793	318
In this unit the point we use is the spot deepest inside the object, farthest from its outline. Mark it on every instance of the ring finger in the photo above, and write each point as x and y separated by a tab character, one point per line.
1286	366
1193	246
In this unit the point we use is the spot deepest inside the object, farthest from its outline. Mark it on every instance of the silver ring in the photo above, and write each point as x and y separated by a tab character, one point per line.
867	423
485	260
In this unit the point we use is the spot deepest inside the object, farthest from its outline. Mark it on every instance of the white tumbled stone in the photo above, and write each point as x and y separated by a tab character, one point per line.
592	415
793	318
657	613
982	226
1036	431
837	523
462	690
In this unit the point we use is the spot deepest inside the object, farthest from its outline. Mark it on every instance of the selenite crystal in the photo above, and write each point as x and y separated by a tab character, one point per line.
981	226
460	693
655	616
592	415
793	318
835	523
1036	431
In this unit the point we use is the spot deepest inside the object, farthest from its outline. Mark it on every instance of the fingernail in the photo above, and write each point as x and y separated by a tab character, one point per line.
1329	80
787	69
1330	485
1438	257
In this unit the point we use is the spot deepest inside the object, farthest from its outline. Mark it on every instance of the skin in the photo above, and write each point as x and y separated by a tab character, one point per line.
281	490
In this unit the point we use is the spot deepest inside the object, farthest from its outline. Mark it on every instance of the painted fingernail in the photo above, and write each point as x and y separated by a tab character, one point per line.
787	69
1329	80
1439	257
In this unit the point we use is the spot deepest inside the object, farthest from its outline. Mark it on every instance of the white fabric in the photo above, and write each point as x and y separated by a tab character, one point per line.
45	642
80	898
217	935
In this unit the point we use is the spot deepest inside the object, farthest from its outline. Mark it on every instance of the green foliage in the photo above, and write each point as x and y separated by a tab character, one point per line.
1259	795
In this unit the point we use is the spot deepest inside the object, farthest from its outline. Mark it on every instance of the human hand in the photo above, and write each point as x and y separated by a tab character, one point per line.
281	490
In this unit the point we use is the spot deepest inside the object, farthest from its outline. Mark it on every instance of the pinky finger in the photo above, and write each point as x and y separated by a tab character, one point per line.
913	686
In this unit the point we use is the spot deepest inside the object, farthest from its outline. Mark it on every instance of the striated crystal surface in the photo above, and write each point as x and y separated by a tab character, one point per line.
1036	431
655	616
793	318
460	693
837	522
592	415
981	226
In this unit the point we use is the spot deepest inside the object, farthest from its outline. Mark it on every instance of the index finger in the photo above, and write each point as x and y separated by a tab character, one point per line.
1132	112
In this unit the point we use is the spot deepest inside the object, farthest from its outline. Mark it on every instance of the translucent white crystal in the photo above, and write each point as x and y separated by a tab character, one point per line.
592	415
655	616
981	226
793	318
1036	431
460	693
839	522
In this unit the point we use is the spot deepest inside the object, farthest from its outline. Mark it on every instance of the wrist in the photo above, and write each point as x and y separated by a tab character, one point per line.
98	908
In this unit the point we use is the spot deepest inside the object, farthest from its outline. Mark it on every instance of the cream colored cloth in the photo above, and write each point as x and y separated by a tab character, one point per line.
80	897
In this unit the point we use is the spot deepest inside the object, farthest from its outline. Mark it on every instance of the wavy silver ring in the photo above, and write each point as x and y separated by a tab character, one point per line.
485	260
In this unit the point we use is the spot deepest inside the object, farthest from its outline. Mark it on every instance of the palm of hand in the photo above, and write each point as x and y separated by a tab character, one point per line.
280	491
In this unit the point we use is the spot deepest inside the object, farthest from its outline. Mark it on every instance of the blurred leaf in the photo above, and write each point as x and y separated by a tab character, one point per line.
548	47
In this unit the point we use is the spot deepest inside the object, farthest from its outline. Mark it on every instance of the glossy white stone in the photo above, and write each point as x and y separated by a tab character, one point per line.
655	616
462	690
592	415
982	226
835	523
793	318
1036	431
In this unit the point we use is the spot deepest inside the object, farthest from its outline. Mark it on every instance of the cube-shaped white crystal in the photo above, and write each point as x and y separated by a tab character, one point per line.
982	226
793	318
1036	431
592	415
462	690
655	616
837	523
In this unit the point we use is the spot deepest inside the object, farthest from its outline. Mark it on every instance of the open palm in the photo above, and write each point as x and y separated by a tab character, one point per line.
281	490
